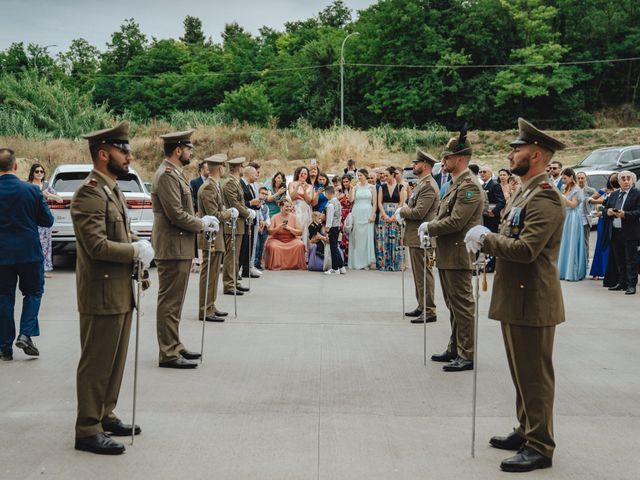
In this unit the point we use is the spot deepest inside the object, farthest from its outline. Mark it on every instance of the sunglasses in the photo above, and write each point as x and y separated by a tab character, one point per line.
38	171
483	171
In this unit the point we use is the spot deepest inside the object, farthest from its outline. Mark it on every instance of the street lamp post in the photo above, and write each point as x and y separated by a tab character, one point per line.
342	77
35	56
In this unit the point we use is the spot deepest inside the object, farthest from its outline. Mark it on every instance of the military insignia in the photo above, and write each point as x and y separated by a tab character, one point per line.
526	194
106	189
468	180
92	182
545	185
468	194
168	170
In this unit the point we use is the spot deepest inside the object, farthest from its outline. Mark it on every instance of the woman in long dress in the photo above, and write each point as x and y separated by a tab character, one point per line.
361	243
37	177
388	241
345	202
284	249
572	260
601	253
301	194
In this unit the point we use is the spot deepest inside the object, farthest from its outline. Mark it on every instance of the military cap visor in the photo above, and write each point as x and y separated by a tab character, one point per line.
424	157
179	139
237	161
117	136
217	159
530	135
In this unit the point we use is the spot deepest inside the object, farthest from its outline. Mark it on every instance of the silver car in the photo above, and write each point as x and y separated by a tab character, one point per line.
65	181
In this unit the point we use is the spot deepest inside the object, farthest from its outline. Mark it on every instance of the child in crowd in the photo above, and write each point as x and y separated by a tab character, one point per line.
317	240
333	215
264	222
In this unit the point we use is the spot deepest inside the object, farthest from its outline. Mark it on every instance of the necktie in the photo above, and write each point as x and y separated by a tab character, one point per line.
620	200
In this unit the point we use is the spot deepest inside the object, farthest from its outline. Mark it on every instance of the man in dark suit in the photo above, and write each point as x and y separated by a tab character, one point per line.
494	204
623	209
555	174
196	183
25	209
249	176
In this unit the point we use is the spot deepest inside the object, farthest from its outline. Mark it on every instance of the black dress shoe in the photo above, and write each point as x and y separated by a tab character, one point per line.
6	356
630	291
415	313
447	356
180	363
617	287
119	429
525	460
513	441
220	314
213	318
242	289
427	320
458	365
187	355
100	443
26	344
230	292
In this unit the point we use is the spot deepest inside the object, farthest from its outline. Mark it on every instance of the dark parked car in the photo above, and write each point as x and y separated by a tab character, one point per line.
612	158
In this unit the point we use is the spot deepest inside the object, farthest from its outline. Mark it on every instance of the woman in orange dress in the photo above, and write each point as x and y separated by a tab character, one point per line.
284	249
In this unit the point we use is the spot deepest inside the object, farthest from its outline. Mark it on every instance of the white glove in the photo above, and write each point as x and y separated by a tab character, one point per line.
145	252
234	212
474	238
252	214
210	223
397	215
423	230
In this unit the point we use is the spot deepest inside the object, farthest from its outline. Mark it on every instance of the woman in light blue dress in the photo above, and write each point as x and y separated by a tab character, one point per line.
361	240
572	260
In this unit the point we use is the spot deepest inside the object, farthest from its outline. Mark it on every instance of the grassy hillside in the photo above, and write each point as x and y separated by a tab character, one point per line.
285	149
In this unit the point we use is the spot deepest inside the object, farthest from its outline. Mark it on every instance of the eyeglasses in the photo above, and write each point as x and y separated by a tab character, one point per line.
38	171
483	171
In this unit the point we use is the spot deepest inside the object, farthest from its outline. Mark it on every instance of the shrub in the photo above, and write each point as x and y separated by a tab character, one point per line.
248	104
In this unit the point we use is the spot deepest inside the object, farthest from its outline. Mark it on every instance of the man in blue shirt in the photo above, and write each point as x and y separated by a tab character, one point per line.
25	209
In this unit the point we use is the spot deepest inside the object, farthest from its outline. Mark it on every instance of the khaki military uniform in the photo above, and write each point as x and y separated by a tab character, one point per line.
233	197
210	202
459	210
421	207
105	298
174	239
527	299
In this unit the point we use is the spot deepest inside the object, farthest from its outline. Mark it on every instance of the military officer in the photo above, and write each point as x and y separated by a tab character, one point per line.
210	202
526	297
422	206
105	257
174	230
459	210
233	197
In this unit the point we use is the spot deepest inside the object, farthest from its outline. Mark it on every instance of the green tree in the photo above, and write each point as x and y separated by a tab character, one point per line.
247	104
193	34
126	44
336	15
80	63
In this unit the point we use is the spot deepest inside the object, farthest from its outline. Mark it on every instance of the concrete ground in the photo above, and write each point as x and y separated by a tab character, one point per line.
323	378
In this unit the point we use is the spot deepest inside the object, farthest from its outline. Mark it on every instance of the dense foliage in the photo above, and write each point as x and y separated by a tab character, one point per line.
415	63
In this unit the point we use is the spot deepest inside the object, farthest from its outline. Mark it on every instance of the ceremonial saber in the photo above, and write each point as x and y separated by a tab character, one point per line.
478	264
139	274
248	225
210	238
235	271
404	265
424	243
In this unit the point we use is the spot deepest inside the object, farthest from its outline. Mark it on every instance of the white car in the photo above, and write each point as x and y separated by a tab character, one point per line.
65	181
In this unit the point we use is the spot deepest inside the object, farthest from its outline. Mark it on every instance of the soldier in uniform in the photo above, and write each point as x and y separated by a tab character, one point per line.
210	203
459	210
105	258
526	297
174	237
233	197
422	206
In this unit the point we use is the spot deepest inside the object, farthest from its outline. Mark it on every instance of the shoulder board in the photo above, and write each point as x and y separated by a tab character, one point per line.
545	185
92	182
168	170
468	180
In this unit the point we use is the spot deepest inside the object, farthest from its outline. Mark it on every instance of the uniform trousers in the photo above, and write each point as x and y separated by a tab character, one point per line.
104	340
214	276
228	279
173	277
458	296
417	267
529	353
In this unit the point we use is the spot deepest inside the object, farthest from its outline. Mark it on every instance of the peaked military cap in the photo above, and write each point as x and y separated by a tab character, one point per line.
530	135
424	157
458	146
237	161
217	159
178	138
117	136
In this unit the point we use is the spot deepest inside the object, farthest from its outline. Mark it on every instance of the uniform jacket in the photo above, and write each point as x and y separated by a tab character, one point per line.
24	209
421	207
631	208
195	185
497	202
233	196
174	223
210	203
526	286
104	251
460	209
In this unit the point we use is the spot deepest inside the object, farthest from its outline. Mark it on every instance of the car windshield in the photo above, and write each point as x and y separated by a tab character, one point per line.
70	181
601	158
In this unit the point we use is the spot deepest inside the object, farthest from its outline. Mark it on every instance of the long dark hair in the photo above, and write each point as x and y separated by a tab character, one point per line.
33	170
296	174
273	181
569	172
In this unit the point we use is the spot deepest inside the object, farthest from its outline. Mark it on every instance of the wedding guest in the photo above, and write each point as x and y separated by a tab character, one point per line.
301	194
317	240
277	191
388	243
572	259
503	178
361	243
344	197
601	253
284	249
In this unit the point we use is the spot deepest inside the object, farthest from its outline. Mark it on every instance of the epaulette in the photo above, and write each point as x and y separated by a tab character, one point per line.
468	180
92	182
545	185
168	170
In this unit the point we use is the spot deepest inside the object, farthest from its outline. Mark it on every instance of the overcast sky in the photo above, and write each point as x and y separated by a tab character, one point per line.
57	22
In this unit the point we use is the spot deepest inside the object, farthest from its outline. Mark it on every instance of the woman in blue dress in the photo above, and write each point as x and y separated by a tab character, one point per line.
601	253
361	243
572	260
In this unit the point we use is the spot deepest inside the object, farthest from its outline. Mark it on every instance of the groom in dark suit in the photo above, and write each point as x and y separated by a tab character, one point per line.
24	210
623	209
196	183
492	208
